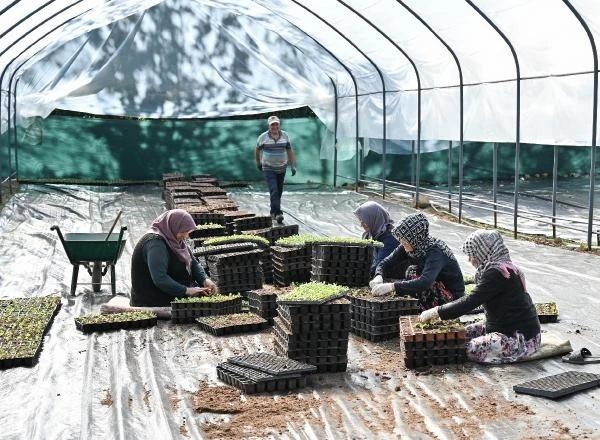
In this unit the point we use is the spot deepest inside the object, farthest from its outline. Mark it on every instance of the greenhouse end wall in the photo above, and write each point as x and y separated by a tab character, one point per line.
118	149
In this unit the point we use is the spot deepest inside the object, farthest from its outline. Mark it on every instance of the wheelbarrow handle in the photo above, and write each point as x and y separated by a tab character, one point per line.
62	240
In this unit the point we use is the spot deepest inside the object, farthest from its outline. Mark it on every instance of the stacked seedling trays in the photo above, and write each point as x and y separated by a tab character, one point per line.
314	328
547	312
253	223
263	303
291	264
208	230
231	216
214	205
202	252
263	372
23	324
426	344
376	318
202	217
221	325
274	233
237	271
115	321
186	310
345	264
206	191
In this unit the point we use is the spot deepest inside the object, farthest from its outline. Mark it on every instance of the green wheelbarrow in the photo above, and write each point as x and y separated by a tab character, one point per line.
98	252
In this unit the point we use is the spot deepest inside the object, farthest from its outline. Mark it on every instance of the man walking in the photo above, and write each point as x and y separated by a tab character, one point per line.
273	154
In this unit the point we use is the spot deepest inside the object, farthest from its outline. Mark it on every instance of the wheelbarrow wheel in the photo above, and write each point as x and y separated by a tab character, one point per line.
96	275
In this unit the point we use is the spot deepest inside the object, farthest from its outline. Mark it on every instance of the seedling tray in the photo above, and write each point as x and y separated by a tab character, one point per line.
315	339
271	364
115	321
300	302
231	324
374	337
559	385
547	312
440	344
244	379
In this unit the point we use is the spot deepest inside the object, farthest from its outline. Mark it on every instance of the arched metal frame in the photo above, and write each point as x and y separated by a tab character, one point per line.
349	72
518	122
21	65
341	34
462	111
384	105
13	100
594	121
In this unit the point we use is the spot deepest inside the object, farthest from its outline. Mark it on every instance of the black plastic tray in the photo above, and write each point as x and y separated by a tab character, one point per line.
559	385
272	364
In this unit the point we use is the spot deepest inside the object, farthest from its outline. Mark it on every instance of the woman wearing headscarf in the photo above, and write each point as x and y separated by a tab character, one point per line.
163	267
376	222
423	267
511	329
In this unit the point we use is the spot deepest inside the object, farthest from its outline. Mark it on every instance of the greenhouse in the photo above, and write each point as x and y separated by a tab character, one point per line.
118	116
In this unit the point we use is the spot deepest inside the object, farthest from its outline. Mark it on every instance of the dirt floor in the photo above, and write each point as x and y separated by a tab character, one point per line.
162	382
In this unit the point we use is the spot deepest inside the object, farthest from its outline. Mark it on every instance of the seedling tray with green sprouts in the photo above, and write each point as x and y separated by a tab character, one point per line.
547	312
23	324
313	293
115	321
229	324
186	310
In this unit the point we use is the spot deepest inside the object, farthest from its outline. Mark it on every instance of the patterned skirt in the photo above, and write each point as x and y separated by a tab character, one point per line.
498	348
436	295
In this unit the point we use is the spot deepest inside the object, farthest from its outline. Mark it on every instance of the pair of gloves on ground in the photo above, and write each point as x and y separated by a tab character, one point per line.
379	288
259	166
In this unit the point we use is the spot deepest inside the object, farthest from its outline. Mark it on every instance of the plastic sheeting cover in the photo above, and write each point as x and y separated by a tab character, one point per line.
141	383
200	58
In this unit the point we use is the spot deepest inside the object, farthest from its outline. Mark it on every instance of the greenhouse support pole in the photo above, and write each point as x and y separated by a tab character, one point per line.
383	34
461	120
335	124
348	71
554	189
495	182
518	121
594	122
26	49
412	162
348	40
450	176
384	104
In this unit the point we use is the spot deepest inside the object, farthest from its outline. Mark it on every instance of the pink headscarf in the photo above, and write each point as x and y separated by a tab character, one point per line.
168	225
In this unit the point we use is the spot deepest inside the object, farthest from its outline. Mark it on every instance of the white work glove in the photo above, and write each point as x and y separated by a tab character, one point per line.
383	289
429	315
375	281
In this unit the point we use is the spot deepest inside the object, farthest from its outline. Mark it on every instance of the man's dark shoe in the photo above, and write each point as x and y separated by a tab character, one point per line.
279	218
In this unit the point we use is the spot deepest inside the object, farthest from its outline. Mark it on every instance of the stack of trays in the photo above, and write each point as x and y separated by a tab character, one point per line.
230	324
266	265
349	265
231	216
263	303
376	318
186	310
202	252
314	333
237	271
432	343
260	372
208	230
202	217
274	233
290	264
242	224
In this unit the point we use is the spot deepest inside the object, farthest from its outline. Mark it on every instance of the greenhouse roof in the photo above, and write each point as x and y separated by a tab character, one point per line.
520	70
